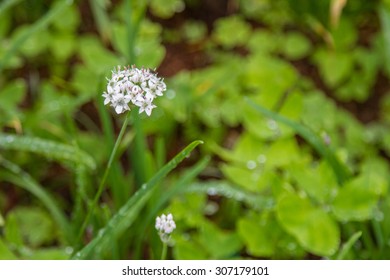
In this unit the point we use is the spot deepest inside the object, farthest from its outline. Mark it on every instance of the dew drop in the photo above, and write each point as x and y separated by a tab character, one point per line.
379	216
68	250
122	212
251	164
211	208
272	125
100	233
261	159
170	94
291	246
9	138
211	191
239	197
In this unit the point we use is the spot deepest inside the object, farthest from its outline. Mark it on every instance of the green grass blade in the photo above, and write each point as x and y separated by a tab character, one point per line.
99	10
384	15
22	179
7	4
39	25
223	188
165	196
129	212
348	245
340	170
139	150
47	148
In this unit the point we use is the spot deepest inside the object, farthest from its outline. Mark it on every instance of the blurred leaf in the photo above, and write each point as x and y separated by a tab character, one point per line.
167	8
252	180
185	249
345	35
261	236
35	44
334	67
5	252
35	225
147	48
194	31
262	41
62	45
358	199
86	82
295	45
69	20
96	57
312	227
225	26
218	243
12	231
11	95
318	182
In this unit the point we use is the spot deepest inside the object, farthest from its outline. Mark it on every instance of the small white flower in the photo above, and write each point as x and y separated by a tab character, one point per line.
138	86
145	105
165	225
120	103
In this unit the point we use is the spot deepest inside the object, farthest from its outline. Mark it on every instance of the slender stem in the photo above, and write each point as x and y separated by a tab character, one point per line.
106	172
164	251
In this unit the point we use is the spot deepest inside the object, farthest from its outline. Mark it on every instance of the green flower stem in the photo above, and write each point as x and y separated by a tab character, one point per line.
164	251
106	172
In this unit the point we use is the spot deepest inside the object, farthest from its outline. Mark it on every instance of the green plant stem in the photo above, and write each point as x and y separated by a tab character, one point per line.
164	251
105	175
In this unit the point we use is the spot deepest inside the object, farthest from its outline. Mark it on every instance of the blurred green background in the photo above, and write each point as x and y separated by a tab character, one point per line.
290	98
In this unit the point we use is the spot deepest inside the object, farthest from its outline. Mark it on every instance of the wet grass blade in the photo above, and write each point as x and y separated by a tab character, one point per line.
348	245
22	179
47	148
129	212
340	170
165	196
223	188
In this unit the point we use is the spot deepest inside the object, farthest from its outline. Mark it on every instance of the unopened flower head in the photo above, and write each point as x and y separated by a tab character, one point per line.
132	86
165	225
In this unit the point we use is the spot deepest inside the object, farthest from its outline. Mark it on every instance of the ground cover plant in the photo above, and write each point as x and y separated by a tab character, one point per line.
251	129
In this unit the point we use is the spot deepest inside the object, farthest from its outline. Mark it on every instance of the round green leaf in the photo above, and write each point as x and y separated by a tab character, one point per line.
296	45
259	236
314	229
358	199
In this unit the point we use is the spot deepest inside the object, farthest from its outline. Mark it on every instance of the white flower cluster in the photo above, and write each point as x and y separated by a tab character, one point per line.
165	225
133	86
